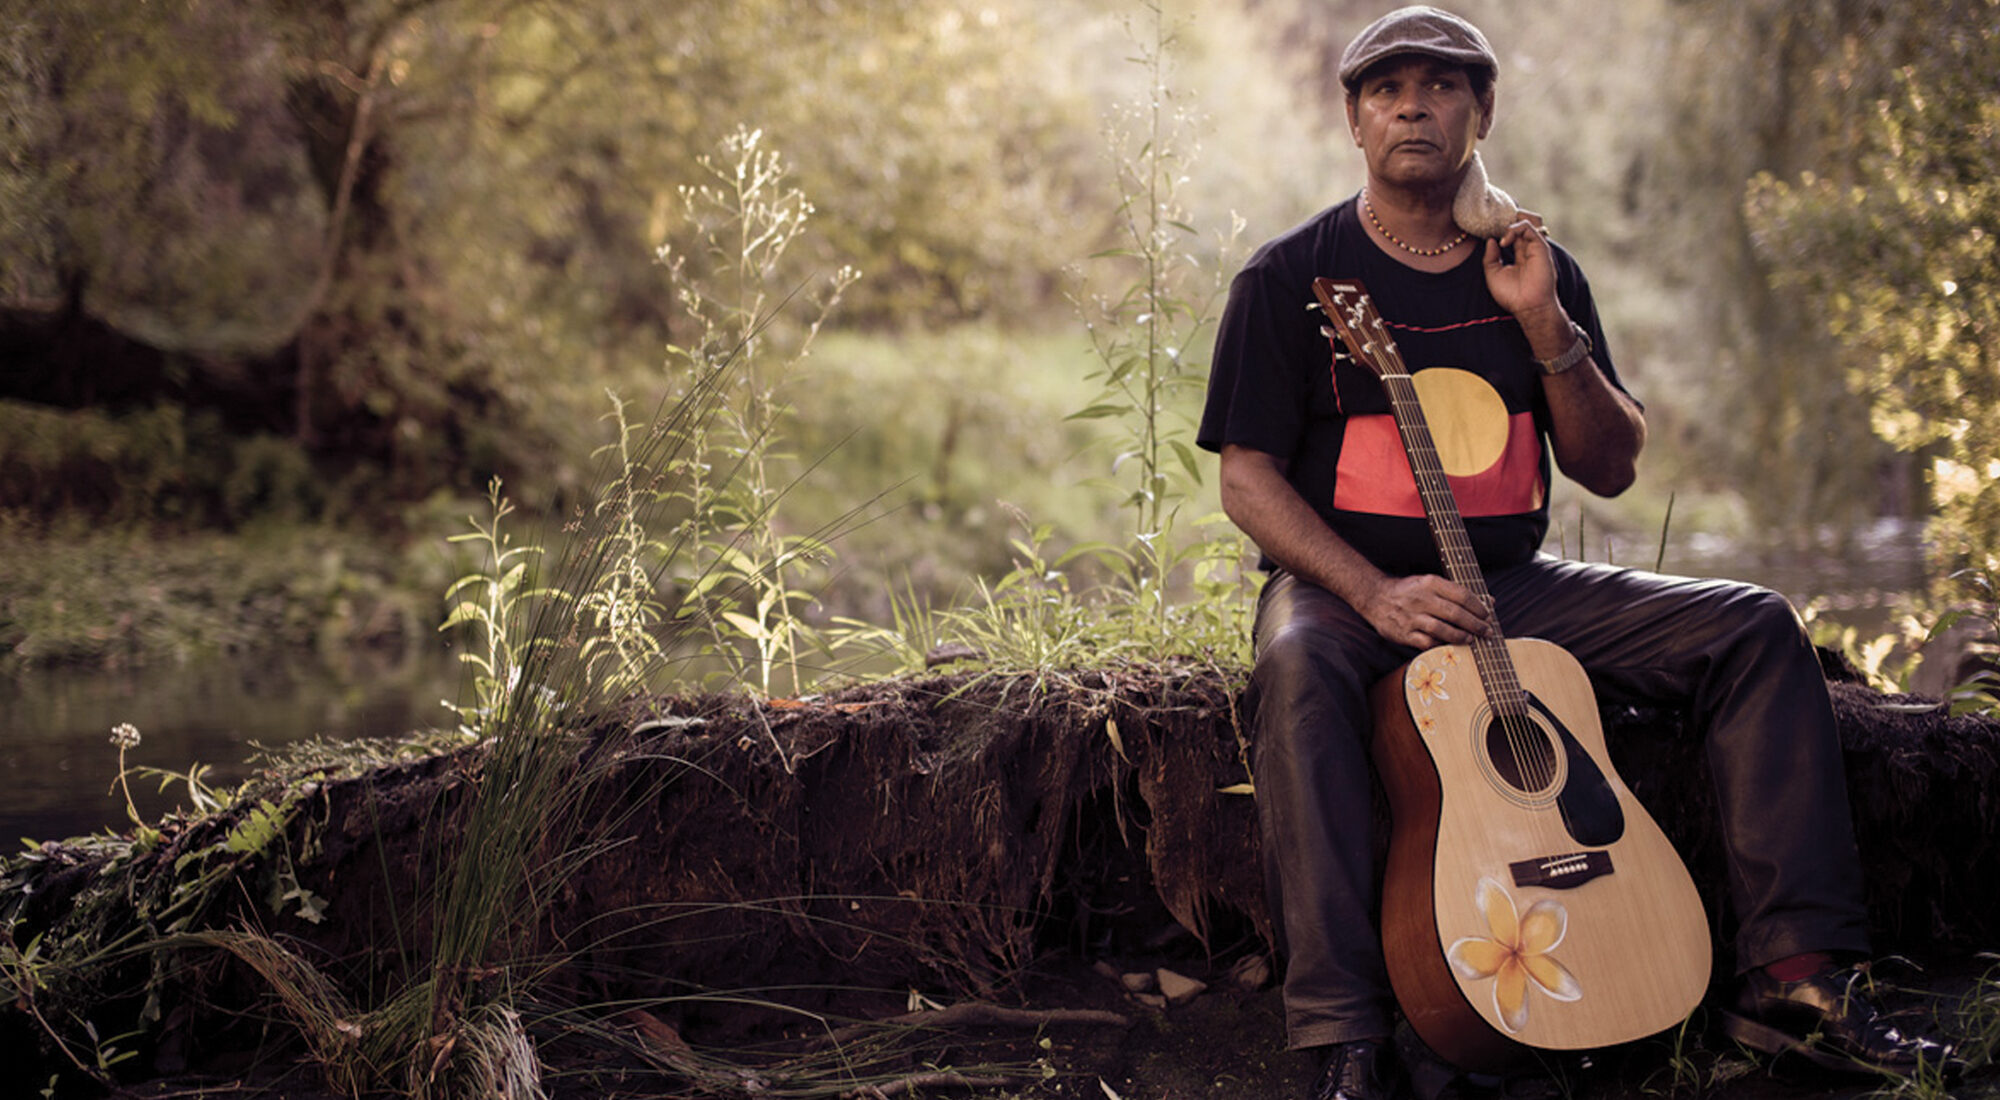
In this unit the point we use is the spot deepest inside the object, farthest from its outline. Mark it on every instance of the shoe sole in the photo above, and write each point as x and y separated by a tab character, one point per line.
1771	1041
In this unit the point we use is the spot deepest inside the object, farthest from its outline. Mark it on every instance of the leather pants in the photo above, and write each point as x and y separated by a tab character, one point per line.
1736	654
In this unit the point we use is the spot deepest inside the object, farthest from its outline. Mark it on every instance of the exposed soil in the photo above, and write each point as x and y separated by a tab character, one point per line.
971	839
1223	1044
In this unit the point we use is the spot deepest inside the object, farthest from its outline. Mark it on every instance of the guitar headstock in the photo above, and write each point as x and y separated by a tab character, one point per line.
1346	304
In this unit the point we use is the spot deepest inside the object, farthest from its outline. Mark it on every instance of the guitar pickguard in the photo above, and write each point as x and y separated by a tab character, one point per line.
1589	808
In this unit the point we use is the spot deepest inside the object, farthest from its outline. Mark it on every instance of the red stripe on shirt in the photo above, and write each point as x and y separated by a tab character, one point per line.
1374	474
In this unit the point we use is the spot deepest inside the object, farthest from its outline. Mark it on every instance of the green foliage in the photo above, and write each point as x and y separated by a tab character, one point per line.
418	238
167	464
1161	594
116	598
950	427
1033	619
115	947
1147	335
1978	1014
622	612
549	651
1978	692
496	604
1896	249
741	568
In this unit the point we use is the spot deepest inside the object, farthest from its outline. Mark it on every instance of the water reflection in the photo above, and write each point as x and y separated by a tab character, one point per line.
55	727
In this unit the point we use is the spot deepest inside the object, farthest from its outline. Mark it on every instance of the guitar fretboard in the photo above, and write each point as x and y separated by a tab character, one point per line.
1361	328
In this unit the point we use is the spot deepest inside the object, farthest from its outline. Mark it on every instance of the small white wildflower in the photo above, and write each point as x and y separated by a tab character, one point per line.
125	735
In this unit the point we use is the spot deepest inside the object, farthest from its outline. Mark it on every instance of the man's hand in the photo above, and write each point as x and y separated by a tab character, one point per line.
1425	610
1526	286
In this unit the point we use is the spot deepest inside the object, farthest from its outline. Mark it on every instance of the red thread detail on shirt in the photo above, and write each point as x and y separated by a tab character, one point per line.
1493	320
1333	372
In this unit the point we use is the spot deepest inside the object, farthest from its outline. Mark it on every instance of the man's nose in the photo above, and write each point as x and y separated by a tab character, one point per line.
1410	107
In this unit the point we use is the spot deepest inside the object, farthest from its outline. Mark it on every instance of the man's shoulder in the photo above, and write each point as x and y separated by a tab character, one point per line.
1304	245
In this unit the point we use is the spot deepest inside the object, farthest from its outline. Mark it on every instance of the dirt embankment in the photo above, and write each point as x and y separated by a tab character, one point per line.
953	836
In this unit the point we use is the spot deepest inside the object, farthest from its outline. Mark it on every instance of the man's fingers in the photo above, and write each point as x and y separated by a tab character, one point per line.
1457	614
1427	610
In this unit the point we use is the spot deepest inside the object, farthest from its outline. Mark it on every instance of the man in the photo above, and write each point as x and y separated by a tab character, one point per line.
1311	471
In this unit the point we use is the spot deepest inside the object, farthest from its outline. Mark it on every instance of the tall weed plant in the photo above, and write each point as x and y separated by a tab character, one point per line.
555	637
742	571
557	641
1182	582
1177	586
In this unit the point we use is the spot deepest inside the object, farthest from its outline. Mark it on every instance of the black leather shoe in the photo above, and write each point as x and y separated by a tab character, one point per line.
1365	1069
1830	1020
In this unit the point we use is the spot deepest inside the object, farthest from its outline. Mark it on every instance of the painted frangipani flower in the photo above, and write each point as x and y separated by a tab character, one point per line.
1517	953
1427	683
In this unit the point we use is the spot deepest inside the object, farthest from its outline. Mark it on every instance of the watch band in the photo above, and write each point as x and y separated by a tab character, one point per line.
1577	353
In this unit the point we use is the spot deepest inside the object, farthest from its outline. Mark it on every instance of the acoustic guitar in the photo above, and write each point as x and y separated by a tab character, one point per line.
1529	900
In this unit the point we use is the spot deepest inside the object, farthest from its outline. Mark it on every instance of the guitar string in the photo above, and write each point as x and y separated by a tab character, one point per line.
1536	758
1504	693
1533	766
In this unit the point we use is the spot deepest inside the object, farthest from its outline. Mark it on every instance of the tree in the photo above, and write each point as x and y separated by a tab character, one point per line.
416	237
1896	250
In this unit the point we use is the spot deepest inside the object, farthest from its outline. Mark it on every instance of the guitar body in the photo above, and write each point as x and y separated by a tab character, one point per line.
1529	899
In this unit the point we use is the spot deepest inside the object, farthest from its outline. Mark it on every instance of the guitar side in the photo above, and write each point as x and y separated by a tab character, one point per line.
1502	928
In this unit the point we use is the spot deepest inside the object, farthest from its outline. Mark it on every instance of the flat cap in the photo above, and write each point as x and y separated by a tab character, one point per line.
1418	29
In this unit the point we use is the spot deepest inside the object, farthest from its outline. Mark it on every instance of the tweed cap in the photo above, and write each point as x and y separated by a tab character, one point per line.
1418	29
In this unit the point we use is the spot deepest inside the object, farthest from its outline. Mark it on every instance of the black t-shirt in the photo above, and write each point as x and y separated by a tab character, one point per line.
1270	389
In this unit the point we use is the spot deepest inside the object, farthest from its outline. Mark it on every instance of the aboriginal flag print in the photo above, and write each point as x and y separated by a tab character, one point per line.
1491	457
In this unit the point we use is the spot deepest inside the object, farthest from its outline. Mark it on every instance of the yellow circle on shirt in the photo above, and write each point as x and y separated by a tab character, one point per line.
1467	417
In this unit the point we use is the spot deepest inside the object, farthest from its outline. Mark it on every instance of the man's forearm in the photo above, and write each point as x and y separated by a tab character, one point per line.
1420	610
1595	431
1261	502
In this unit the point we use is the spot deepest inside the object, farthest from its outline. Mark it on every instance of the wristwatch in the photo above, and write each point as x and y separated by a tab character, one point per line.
1577	353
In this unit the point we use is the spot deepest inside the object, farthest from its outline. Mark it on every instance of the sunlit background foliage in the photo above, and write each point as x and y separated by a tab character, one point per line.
342	262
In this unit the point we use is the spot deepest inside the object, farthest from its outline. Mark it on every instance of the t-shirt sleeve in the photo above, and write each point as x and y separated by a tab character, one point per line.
1256	393
1573	288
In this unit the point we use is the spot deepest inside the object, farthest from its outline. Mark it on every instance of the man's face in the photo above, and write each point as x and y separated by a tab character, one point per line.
1416	120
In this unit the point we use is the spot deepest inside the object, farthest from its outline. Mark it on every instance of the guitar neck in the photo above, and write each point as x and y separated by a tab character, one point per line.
1489	655
1440	507
1353	314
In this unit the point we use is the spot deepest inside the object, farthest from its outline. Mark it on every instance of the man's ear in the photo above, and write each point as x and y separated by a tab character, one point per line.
1354	120
1486	103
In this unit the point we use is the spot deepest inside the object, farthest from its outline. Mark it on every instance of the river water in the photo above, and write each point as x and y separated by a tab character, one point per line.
55	728
55	725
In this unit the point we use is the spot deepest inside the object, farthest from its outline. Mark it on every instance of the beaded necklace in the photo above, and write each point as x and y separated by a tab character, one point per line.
1369	209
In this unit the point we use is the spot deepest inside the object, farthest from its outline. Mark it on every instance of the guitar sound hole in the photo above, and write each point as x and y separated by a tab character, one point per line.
1523	756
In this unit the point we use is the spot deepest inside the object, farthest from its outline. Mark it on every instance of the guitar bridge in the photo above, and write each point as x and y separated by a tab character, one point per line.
1563	872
